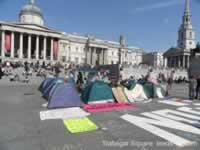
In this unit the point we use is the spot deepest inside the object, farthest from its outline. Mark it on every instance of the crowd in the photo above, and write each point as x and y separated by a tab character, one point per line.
81	78
194	87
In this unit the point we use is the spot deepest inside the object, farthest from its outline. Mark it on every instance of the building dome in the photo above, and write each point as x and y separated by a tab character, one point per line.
31	14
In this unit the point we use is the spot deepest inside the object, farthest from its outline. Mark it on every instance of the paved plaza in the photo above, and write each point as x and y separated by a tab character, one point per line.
21	128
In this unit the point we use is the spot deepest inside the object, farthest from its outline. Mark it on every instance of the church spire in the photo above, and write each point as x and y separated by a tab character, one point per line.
186	34
32	1
187	16
187	6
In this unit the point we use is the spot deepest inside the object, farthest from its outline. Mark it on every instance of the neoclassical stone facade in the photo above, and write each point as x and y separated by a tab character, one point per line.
29	40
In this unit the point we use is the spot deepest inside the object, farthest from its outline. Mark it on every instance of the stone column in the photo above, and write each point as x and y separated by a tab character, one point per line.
88	55
94	56
37	48
29	46
101	57
91	55
58	58
179	61
52	50
66	53
45	49
183	61
165	62
21	46
12	45
3	44
188	61
106	56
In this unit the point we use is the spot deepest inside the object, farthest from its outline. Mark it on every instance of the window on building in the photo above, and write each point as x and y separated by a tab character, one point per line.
76	49
76	60
190	43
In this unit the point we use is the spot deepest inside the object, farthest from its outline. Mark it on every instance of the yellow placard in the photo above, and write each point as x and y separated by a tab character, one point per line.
80	125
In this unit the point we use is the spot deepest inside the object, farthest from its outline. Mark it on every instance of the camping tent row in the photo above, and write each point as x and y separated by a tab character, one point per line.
63	94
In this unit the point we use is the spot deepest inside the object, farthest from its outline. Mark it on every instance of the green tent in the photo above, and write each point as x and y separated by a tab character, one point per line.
97	92
149	90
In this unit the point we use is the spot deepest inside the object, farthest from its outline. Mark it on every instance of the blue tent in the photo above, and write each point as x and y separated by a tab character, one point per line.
52	88
49	84
65	95
44	83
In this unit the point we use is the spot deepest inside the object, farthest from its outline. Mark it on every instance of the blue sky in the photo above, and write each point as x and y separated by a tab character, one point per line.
149	24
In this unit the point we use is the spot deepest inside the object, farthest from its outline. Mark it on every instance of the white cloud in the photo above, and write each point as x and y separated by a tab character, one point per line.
159	5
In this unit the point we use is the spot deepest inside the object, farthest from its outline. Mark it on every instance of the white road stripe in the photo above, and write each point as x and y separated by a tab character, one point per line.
168	113
146	124
173	103
196	104
189	110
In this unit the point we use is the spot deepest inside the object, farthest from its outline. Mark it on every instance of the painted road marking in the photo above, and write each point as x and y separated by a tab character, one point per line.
173	103
171	114
167	111
196	104
148	125
189	110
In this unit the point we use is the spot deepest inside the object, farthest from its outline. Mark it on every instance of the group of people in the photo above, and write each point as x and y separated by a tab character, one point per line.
80	78
194	87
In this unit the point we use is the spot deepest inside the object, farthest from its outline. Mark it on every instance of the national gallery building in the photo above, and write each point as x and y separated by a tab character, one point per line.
30	40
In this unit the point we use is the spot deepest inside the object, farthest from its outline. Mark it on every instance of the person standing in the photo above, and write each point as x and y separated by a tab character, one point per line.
57	70
197	88
1	72
170	82
192	87
26	67
79	81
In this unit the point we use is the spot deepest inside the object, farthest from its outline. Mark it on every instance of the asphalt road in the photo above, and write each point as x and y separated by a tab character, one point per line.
21	128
